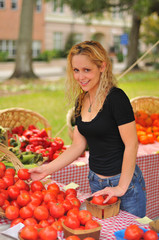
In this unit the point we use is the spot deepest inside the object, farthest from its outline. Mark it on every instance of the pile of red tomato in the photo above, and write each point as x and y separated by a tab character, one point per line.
134	232
147	127
36	140
40	207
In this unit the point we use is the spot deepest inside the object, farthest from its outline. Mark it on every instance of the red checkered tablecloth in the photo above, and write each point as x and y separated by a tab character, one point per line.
149	165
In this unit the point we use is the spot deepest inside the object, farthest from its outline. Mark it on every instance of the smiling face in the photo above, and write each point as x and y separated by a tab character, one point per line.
86	73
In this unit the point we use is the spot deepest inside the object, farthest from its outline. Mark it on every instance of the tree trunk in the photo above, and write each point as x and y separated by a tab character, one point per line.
134	41
23	63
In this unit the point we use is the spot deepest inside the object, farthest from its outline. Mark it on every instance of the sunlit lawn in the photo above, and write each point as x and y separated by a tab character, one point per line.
49	100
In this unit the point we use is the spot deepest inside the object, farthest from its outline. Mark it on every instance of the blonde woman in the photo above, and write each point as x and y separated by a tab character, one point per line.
105	121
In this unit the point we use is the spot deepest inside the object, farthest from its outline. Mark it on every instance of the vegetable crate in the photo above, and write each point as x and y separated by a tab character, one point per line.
14	117
103	211
82	234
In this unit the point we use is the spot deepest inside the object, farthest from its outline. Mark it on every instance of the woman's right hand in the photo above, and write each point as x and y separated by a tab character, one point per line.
38	173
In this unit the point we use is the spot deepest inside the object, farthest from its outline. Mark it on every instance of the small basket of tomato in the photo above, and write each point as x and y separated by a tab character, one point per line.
103	210
91	229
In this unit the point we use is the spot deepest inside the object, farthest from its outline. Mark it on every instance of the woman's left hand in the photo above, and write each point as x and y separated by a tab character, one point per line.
110	192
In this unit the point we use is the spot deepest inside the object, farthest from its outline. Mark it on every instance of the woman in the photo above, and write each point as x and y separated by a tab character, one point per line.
104	121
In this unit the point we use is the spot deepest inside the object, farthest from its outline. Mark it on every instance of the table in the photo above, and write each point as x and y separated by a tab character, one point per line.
109	225
149	164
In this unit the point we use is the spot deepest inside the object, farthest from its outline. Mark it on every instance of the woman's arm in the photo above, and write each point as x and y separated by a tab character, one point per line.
68	156
129	138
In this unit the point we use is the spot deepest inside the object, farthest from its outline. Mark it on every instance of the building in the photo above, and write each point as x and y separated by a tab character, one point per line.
54	22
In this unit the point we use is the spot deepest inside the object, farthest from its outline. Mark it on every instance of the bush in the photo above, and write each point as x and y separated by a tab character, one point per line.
48	55
3	56
120	57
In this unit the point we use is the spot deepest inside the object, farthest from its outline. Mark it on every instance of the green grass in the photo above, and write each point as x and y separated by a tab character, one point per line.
49	99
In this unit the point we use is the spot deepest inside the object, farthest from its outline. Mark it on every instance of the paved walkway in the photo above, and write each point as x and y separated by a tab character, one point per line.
52	71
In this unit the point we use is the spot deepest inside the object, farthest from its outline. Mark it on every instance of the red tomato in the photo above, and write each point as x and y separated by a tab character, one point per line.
50	220
36	186
16	221
49	196
20	184
53	187
12	212
73	212
2	166
84	216
72	222
14	203
1	173
57	210
60	196
9	180
29	222
13	192
73	237
10	171
112	200
48	233
4	193
2	199
57	225
133	232
29	233
38	194
90	224
23	174
44	223
67	205
41	213
75	202
23	199
35	200
26	212
5	204
3	184
150	235
71	191
98	200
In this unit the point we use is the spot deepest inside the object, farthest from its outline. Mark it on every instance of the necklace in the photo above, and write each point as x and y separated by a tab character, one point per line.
90	106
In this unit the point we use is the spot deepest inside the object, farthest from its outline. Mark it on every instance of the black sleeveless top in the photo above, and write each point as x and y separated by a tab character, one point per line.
106	147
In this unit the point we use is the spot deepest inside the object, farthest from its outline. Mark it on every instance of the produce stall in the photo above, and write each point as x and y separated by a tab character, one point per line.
109	225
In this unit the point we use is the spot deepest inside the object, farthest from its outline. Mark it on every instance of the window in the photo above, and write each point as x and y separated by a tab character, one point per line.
14	4
57	41
38	5
2	4
36	48
8	46
57	6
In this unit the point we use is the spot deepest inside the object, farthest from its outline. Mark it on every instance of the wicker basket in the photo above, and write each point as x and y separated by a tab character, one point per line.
148	104
14	117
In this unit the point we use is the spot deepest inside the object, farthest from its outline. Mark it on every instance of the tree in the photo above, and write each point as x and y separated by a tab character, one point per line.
23	63
89	7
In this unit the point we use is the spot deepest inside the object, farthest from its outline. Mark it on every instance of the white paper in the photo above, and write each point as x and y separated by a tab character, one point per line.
13	231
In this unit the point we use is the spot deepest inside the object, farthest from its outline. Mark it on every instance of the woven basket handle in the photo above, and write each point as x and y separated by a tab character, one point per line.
11	157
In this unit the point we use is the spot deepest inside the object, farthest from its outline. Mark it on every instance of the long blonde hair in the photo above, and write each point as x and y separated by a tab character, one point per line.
97	54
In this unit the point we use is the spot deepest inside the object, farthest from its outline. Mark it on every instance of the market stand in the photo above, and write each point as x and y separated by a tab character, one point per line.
109	225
